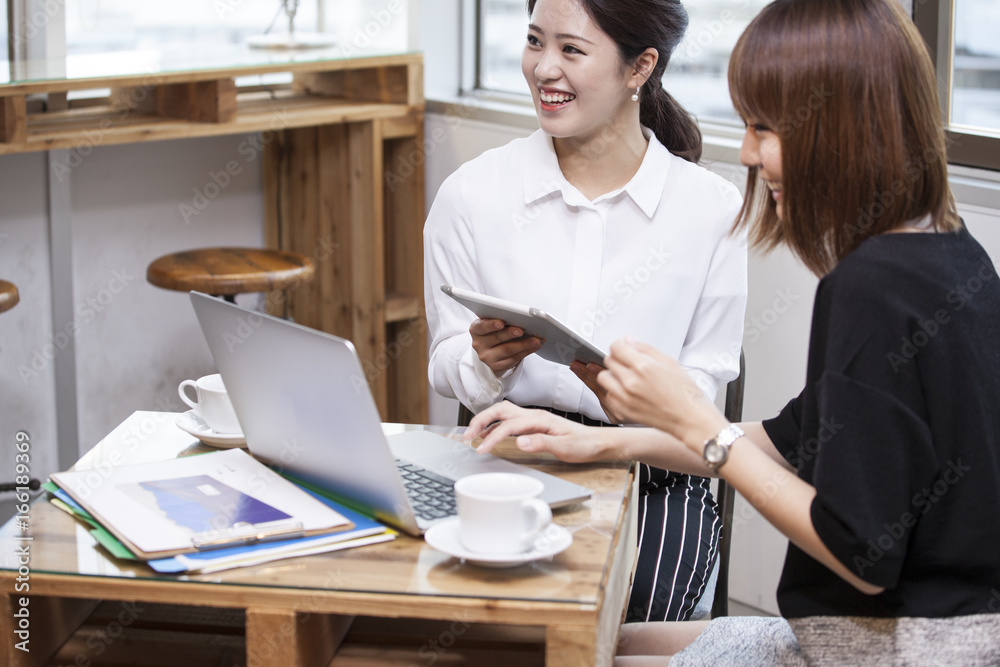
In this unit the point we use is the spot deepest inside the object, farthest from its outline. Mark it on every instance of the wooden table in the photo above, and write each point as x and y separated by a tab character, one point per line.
399	602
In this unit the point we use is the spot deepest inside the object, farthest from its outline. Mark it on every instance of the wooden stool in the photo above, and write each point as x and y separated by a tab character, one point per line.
227	272
8	295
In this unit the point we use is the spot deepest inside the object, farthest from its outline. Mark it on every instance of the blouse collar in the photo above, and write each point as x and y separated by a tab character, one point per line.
542	176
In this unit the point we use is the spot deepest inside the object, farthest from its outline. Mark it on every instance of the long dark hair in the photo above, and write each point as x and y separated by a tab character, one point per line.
634	26
850	90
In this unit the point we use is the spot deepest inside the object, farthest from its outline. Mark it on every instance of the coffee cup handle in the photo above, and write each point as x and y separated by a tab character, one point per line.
183	394
543	517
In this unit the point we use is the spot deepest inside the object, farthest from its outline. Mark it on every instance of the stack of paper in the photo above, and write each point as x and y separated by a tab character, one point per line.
209	512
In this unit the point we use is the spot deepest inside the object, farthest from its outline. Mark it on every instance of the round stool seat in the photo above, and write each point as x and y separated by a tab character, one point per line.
230	271
8	295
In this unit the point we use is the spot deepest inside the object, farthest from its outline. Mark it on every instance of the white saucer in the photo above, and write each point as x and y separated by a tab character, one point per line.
191	423
444	537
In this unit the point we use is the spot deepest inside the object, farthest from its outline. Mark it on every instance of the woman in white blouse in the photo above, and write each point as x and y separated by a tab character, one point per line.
603	219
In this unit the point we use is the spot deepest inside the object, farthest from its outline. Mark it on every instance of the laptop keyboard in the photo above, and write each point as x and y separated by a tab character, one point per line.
431	495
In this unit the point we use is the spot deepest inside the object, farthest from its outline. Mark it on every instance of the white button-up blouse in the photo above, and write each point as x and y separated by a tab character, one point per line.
654	260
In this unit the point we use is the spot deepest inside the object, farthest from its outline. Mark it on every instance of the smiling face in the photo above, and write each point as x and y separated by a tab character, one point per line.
578	83
761	148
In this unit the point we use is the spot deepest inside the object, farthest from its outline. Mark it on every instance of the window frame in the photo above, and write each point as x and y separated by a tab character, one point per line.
935	21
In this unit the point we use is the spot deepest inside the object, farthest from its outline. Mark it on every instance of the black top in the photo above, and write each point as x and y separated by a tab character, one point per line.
898	428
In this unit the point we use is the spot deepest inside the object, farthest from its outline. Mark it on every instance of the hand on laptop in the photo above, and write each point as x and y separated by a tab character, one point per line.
540	431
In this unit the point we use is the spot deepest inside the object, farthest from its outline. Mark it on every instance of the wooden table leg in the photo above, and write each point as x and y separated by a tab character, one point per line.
572	645
296	639
39	628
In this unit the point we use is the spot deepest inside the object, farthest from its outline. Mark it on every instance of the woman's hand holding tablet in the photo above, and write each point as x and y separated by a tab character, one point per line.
559	343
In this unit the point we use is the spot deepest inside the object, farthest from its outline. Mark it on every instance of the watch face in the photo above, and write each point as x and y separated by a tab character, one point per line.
715	453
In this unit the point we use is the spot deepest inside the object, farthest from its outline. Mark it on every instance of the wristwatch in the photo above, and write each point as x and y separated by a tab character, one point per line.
717	448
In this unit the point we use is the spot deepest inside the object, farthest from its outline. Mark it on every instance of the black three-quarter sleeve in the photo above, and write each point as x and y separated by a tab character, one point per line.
876	460
786	429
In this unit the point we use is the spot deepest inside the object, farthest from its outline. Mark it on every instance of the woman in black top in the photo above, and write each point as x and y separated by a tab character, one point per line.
884	472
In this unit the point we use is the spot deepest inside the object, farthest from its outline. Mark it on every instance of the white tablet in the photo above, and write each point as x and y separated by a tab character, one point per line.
560	343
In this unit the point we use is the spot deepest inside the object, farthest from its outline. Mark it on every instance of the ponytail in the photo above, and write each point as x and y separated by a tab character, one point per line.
673	126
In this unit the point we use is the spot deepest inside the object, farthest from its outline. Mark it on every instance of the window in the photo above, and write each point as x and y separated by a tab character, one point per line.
962	36
696	75
126	25
106	26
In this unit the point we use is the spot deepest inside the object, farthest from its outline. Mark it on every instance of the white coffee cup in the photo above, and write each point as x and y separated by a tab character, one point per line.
500	513
212	404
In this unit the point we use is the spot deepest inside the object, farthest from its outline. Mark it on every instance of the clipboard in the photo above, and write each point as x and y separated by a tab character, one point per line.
198	503
560	343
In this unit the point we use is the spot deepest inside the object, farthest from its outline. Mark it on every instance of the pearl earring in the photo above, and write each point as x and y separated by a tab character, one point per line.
635	95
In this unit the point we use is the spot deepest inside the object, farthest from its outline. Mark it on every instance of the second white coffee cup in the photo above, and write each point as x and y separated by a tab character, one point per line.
500	513
212	403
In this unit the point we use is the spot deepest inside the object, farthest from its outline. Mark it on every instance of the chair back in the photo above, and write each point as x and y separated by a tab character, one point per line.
725	498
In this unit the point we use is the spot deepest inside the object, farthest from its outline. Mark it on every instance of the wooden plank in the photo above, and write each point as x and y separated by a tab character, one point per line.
571	646
404	126
276	637
196	101
367	242
334	235
95	647
400	308
619	578
403	181
415	84
50	621
387	85
210	73
13	119
299	210
90	126
271	180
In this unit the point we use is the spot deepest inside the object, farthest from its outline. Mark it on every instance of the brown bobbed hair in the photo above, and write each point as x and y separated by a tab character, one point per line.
850	90
634	26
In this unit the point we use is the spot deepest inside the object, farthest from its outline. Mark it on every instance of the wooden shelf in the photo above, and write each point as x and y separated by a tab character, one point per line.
330	139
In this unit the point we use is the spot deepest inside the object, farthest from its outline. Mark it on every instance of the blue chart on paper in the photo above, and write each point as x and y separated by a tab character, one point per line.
202	503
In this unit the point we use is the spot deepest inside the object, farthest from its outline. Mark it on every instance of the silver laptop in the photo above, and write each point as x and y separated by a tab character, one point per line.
305	407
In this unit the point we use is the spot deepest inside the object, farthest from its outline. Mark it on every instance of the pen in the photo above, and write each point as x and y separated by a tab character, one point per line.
244	533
